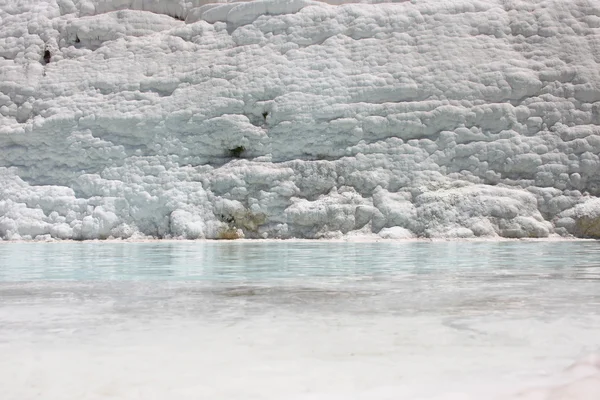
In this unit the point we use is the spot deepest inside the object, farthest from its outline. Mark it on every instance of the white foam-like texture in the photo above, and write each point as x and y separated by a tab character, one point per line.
298	118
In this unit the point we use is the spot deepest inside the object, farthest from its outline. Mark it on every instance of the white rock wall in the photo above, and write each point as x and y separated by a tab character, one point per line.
296	118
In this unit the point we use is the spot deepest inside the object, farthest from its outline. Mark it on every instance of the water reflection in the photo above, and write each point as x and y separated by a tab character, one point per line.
234	279
245	261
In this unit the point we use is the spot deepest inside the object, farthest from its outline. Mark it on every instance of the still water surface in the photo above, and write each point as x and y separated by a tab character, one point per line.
272	261
299	320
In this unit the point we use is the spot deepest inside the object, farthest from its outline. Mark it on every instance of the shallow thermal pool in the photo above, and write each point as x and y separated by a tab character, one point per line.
300	320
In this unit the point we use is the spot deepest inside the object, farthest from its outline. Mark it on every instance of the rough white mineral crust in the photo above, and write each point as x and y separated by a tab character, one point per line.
297	118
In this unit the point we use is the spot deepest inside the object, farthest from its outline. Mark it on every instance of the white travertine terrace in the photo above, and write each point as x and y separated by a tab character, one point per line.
298	118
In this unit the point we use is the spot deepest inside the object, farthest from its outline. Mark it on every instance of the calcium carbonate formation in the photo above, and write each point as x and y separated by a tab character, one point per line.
298	118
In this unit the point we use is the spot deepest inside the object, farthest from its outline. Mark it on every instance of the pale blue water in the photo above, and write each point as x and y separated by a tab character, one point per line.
302	261
298	320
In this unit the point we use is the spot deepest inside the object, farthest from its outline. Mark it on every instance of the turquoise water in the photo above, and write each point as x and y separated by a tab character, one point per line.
298	320
266	261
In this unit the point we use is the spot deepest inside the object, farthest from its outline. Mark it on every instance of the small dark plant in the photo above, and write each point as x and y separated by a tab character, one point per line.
237	152
265	114
47	56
